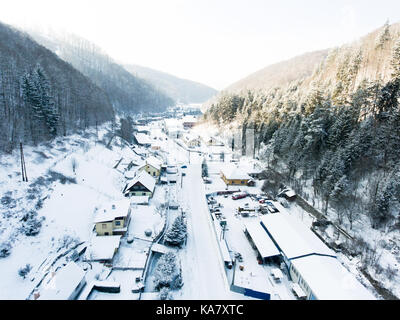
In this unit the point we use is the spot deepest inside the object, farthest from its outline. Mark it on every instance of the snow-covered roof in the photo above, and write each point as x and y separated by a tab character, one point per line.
225	251
130	174
290	193
102	247
64	283
157	247
154	162
145	179
329	280
142	128
140	200
231	172
261	239
142	138
292	236
172	123
189	119
112	210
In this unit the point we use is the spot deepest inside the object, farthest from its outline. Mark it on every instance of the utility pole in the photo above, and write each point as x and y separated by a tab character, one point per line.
23	167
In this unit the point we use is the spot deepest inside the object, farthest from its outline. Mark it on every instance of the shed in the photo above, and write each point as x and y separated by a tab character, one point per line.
103	248
265	246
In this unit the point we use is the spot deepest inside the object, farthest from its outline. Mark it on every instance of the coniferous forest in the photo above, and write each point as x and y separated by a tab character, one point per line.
334	135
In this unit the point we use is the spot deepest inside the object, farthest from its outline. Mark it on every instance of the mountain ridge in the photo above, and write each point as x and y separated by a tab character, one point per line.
180	89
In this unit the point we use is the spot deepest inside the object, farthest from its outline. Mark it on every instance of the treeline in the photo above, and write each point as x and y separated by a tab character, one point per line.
41	95
127	93
341	141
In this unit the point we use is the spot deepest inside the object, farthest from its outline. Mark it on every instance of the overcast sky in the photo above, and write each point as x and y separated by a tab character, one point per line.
215	42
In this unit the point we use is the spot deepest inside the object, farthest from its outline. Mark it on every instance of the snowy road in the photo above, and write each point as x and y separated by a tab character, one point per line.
202	267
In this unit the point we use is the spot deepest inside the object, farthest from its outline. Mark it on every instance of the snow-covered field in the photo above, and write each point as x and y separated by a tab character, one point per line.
69	179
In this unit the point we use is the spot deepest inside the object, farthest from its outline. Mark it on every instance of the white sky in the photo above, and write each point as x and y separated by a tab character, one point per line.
215	42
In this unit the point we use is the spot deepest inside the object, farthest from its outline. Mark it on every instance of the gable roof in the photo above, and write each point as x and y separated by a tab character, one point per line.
232	172
143	178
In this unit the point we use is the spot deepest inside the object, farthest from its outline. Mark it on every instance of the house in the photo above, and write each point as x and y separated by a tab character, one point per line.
113	219
103	249
142	185
152	166
142	140
66	284
289	194
142	129
232	175
191	141
189	122
212	141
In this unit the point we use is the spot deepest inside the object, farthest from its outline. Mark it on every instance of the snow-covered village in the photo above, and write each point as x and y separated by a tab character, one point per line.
121	182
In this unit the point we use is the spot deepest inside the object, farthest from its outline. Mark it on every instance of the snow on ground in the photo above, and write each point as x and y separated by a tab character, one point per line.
67	199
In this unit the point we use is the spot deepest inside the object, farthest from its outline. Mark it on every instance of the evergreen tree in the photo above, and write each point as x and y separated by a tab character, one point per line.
176	234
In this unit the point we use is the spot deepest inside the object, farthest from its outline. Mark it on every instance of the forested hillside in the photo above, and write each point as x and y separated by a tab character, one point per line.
42	96
127	93
334	135
182	90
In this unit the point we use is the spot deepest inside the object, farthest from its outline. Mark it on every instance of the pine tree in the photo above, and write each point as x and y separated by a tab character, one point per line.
176	234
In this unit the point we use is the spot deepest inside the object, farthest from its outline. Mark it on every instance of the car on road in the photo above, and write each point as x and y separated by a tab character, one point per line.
184	166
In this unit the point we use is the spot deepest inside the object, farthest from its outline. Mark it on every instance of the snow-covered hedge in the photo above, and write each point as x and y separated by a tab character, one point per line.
167	272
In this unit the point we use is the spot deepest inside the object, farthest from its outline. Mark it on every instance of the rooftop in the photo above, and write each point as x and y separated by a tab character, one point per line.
64	283
142	138
293	238
231	172
262	241
112	210
102	248
143	178
329	280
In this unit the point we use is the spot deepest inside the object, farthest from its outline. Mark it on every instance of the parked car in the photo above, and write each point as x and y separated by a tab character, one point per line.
239	196
271	207
184	166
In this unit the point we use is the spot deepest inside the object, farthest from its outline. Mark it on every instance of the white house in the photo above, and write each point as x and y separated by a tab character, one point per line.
141	185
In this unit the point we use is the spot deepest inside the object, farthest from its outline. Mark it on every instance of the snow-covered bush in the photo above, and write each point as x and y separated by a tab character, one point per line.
31	224
67	241
8	202
167	272
56	176
5	249
176	234
23	271
165	294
